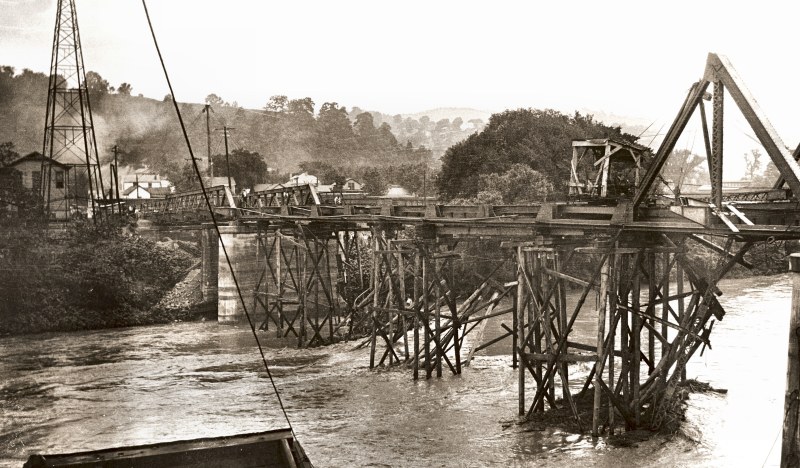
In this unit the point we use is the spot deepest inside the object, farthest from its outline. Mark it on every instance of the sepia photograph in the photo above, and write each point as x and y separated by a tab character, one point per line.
399	234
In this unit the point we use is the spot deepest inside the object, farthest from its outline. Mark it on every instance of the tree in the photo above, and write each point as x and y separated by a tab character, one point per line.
540	139
248	168
97	87
277	103
214	100
125	89
335	137
301	107
685	169
7	153
364	125
385	136
752	164
519	184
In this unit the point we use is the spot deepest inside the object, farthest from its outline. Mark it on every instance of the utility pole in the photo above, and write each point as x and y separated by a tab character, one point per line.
227	162
790	448
424	180
116	179
207	110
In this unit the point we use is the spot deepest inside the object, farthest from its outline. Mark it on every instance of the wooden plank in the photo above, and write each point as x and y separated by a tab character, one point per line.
565	357
478	336
738	213
719	250
565	276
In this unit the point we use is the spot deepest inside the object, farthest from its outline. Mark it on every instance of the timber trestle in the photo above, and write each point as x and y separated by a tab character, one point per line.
605	296
307	283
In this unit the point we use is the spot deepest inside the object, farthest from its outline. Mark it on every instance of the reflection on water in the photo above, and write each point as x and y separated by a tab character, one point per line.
91	390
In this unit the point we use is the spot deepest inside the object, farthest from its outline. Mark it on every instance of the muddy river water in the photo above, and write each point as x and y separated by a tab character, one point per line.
64	392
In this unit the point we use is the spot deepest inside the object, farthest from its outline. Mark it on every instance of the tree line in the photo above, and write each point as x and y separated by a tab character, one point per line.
286	135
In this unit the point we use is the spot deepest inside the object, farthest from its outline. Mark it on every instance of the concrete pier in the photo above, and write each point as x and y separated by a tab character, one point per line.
209	245
240	243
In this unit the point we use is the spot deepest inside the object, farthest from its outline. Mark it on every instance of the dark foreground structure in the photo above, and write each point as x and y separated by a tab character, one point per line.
272	449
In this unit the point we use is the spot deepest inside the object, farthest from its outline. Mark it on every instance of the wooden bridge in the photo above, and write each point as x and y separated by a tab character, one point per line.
417	279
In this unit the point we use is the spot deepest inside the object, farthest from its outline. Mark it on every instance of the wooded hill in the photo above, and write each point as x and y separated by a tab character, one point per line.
287	134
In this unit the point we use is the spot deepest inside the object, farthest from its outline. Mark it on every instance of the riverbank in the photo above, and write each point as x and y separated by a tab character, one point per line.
184	302
87	277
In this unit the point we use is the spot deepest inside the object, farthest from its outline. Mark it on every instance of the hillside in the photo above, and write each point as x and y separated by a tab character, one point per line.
287	135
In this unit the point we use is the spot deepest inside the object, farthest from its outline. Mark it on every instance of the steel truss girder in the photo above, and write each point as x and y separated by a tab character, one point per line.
719	70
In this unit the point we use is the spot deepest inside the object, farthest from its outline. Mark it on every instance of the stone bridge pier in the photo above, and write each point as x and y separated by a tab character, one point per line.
240	243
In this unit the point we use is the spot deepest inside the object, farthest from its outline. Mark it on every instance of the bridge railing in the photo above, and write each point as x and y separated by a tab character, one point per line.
293	195
187	205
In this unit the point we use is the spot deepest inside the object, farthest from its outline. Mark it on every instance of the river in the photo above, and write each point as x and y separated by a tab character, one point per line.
63	392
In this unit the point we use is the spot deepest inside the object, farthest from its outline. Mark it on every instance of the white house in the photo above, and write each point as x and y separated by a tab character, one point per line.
143	178
142	192
352	185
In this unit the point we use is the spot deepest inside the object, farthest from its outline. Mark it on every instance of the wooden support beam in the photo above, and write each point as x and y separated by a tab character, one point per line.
601	335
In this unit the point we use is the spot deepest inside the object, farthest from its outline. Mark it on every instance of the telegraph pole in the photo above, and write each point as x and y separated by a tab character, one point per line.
227	162
207	110
116	179
790	447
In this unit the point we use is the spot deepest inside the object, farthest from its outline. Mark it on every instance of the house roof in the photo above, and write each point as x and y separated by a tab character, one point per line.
36	156
397	191
263	187
153	191
219	180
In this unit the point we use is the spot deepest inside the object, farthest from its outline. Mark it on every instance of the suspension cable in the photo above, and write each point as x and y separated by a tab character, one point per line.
214	219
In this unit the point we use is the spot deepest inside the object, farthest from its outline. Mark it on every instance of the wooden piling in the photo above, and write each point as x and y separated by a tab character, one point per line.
601	336
612	331
636	340
651	309
790	448
625	333
561	306
426	311
438	320
519	312
376	286
278	254
665	304
417	279
681	307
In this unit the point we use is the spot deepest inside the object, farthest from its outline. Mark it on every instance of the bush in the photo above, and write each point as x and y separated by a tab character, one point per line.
85	277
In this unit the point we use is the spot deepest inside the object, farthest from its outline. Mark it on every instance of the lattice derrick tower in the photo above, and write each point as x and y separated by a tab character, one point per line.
69	136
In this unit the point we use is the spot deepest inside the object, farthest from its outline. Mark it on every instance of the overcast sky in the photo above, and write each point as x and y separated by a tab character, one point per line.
632	58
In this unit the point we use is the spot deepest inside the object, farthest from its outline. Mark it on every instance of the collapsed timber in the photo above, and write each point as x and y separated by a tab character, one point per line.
653	305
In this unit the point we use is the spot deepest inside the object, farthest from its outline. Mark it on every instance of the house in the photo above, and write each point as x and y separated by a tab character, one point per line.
303	178
265	187
396	191
143	192
325	188
27	172
220	180
145	178
351	186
